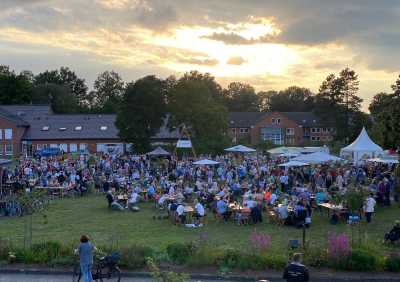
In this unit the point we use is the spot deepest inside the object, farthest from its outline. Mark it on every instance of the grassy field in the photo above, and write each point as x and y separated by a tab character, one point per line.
67	219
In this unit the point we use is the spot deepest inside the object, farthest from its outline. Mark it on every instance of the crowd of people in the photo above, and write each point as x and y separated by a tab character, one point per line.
239	188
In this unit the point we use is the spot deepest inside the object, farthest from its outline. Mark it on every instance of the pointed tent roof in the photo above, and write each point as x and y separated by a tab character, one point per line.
205	162
158	152
363	143
240	149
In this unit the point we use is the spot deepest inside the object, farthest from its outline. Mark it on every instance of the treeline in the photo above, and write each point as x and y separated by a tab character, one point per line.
199	102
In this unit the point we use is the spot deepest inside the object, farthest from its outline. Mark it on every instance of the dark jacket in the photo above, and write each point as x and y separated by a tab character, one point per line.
296	272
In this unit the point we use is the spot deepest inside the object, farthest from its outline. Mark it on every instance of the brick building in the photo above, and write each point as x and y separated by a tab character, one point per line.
281	128
27	128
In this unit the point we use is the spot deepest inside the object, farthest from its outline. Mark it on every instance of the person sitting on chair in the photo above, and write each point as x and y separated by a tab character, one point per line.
180	213
133	201
394	233
199	211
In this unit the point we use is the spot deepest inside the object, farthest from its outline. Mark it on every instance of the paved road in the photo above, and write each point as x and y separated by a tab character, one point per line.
60	278
67	278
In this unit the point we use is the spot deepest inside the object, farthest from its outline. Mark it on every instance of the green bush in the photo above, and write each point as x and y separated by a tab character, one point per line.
253	262
276	261
135	256
229	259
363	260
393	263
5	248
47	251
316	257
179	253
204	256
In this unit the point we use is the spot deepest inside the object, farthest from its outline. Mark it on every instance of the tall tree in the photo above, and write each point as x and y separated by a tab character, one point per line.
142	112
337	99
58	96
241	97
196	101
292	99
14	88
108	90
396	87
67	77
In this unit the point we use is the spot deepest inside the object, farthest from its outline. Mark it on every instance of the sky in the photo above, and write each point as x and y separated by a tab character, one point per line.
270	44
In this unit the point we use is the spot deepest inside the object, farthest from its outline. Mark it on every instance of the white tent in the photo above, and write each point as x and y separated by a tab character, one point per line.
158	152
205	162
240	149
383	161
294	163
362	148
184	144
317	158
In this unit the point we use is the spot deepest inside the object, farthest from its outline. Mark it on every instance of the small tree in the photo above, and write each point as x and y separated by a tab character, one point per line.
165	276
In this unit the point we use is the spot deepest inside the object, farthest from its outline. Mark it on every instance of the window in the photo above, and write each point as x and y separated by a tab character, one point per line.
63	147
78	128
53	146
233	130
62	128
73	148
9	149
1	149
273	121
318	130
1	134
45	128
313	138
103	127
244	130
8	134
82	147
278	121
289	131
275	135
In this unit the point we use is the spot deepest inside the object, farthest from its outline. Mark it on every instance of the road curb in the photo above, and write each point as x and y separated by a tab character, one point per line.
197	276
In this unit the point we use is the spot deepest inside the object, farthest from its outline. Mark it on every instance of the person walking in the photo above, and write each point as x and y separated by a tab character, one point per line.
85	251
295	271
369	207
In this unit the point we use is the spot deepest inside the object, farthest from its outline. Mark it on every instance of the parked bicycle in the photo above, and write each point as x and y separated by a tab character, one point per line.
105	269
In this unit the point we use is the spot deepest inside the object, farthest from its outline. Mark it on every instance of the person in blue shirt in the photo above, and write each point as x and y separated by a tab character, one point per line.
151	191
222	209
85	251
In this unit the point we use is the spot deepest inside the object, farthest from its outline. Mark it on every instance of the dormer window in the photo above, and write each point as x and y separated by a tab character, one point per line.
78	128
62	128
45	128
103	128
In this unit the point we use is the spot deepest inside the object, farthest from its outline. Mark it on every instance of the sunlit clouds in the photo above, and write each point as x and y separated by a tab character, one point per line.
269	44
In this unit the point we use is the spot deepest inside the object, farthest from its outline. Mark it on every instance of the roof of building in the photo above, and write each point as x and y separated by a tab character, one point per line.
307	119
244	119
43	124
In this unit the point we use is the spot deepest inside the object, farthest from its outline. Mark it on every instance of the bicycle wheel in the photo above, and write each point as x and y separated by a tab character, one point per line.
76	274
110	275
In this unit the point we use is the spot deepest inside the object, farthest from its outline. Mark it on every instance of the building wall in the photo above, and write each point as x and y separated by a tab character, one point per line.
17	133
239	134
91	145
284	123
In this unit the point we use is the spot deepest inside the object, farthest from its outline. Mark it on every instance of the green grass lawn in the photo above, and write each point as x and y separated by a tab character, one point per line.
67	219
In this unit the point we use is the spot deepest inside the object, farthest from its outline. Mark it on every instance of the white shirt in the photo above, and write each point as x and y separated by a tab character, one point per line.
134	198
370	204
273	198
180	210
199	209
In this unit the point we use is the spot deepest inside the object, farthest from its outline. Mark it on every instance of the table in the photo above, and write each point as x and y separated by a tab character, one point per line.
332	207
122	198
52	189
189	211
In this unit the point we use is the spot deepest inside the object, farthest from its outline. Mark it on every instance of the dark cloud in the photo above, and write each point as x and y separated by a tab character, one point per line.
237	61
236	39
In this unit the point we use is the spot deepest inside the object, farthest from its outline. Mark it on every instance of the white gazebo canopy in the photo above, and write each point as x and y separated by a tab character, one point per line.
240	149
363	147
205	162
158	152
293	163
317	158
383	161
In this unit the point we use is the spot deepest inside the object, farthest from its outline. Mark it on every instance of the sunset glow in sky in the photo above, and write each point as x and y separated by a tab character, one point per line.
269	44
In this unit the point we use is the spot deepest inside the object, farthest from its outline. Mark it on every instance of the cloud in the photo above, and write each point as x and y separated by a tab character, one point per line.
237	61
236	39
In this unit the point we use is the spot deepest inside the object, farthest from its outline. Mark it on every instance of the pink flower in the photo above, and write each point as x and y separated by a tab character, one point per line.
260	241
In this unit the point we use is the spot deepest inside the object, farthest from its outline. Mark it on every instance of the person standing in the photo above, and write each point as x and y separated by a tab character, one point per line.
369	207
295	271
85	251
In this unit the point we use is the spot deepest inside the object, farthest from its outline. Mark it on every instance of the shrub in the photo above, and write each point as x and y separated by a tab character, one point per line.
179	252
5	248
339	249
362	260
135	256
46	251
204	256
316	257
393	263
253	261
276	261
63	261
229	259
260	241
